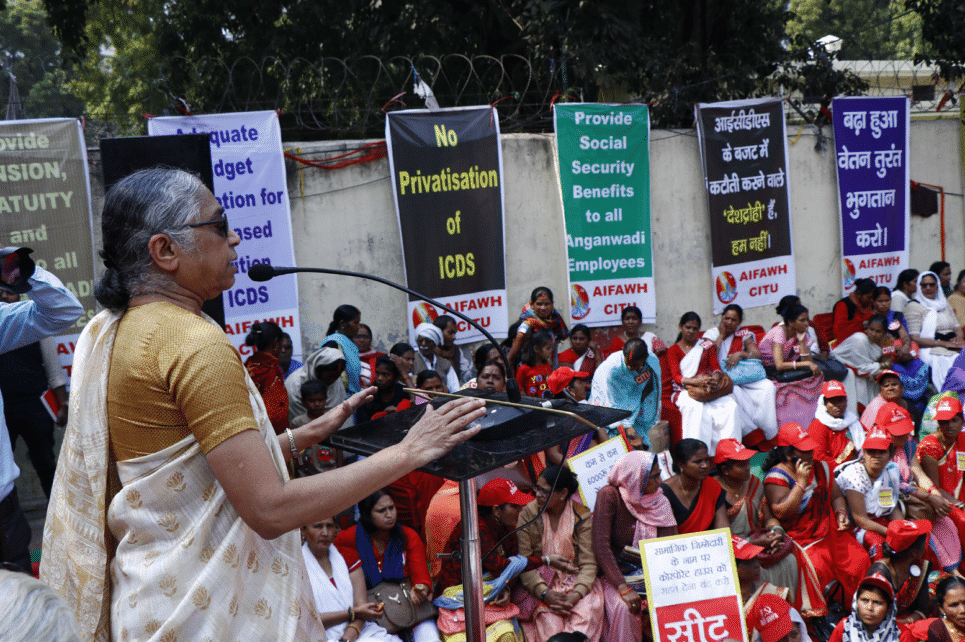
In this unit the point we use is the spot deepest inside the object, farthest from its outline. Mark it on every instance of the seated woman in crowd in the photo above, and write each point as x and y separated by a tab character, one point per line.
871	488
708	410
345	324
890	390
285	360
264	369
581	355
940	454
836	431
751	519
950	599
630	508
862	353
499	504
403	356
539	314
457	356
906	570
327	364
339	589
906	286
367	354
630	318
850	313
792	346
536	365
912	370
389	551
956	298
933	326
389	392
569	600
696	498
739	357
803	495
872	614
944	272
428	337
772	619
629	380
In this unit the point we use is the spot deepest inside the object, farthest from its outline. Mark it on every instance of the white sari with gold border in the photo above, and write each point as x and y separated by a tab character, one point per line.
186	566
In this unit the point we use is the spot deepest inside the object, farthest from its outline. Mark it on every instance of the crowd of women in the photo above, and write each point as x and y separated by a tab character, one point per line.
836	462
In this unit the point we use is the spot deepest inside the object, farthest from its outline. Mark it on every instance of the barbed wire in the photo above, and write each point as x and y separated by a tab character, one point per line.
335	98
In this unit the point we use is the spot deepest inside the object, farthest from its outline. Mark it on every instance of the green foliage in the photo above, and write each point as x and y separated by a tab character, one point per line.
943	26
869	29
30	52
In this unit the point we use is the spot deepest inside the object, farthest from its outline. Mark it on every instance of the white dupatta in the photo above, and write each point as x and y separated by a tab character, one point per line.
691	361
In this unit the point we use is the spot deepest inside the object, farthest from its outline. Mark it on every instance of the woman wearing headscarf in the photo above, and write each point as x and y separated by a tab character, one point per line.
837	432
629	380
428	337
630	508
872	616
933	326
538	314
342	330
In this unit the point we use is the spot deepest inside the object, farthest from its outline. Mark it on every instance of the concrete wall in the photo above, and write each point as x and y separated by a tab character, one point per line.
345	218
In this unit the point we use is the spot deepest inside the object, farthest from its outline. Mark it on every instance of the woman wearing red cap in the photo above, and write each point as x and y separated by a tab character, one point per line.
773	620
914	372
872	614
787	565
836	431
942	457
803	496
906	571
890	390
871	487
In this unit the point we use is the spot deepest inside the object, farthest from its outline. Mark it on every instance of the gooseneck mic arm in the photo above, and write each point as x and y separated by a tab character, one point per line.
264	272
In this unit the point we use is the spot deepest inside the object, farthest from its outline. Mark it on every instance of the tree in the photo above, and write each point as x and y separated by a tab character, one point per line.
943	27
30	53
869	29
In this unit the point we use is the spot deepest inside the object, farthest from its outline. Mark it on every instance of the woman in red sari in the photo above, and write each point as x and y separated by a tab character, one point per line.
942	457
803	495
265	370
697	500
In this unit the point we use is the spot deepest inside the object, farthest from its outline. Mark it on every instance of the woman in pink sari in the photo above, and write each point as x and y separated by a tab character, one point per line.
787	347
569	600
630	508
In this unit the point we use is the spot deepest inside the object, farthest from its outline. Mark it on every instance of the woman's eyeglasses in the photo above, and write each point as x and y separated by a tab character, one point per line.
222	224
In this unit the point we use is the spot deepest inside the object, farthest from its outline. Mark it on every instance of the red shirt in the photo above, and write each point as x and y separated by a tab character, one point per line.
415	565
589	363
841	326
532	379
708	360
831	444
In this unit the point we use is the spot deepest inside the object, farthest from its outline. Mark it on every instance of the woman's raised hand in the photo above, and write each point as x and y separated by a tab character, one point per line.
439	431
369	611
802	472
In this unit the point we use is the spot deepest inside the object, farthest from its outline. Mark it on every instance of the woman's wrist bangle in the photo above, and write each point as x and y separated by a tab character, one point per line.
626	592
543	594
794	365
353	625
351	615
546	560
291	444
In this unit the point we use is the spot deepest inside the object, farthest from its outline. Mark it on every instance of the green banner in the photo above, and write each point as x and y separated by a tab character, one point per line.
604	157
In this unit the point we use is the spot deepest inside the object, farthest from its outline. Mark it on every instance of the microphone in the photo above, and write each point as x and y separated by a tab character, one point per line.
264	272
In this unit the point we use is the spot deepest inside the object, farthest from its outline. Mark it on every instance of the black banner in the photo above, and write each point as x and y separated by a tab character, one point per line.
446	169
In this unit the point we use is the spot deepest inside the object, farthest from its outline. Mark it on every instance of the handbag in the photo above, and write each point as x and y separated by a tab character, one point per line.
704	394
786	376
398	611
767	560
747	371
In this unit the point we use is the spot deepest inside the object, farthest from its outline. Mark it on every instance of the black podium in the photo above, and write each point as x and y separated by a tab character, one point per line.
534	432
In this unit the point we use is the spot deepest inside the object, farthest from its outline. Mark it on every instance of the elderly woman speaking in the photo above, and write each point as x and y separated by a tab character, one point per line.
172	515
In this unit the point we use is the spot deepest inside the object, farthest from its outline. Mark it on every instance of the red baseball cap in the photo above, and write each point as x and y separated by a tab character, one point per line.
561	377
744	550
887	373
793	434
902	533
947	408
502	491
832	389
771	617
877	439
878	581
894	419
728	449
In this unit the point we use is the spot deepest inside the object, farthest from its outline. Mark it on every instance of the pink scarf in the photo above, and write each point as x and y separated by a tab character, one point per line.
630	475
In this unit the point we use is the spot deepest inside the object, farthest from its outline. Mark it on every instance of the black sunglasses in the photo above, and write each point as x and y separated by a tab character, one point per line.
222	224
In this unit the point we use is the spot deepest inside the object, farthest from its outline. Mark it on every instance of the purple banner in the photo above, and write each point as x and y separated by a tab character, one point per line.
871	155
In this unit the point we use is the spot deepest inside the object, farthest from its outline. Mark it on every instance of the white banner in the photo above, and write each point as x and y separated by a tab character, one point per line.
249	182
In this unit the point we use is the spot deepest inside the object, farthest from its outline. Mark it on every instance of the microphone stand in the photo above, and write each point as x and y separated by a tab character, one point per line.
512	387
